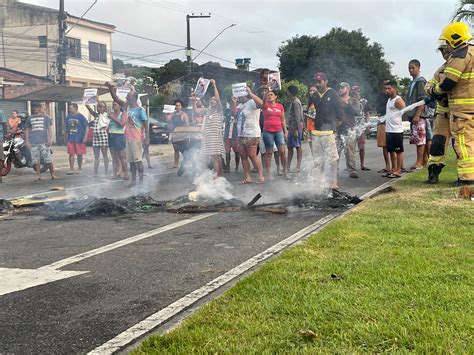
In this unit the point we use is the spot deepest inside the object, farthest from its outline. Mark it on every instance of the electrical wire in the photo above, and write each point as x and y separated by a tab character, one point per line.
80	18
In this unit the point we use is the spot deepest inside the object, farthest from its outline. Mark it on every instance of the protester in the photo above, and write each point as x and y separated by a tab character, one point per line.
39	138
362	120
135	122
177	119
75	137
295	128
3	133
346	132
328	116
417	117
248	127
381	133
100	142
231	140
310	116
394	128
274	131
212	144
146	153
117	143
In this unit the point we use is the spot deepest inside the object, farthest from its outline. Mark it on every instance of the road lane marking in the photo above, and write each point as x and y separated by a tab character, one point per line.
160	317
13	279
121	243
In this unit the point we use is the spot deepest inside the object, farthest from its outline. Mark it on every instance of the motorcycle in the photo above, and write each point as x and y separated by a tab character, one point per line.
17	154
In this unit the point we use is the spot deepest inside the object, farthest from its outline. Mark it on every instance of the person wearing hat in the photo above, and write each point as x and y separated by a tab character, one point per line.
329	115
346	132
458	84
441	134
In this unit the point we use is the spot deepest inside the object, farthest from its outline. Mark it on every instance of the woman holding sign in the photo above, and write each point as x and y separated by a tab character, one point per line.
100	140
177	119
212	140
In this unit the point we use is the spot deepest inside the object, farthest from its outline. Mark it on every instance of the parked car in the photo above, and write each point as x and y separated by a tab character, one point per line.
159	131
406	128
373	127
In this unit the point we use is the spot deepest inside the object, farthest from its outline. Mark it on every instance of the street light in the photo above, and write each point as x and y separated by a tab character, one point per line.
202	50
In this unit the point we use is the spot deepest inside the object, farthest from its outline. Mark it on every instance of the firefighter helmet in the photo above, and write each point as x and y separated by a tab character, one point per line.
456	34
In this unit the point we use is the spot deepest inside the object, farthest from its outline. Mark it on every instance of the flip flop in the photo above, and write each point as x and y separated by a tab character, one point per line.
386	174
245	182
382	171
393	176
365	168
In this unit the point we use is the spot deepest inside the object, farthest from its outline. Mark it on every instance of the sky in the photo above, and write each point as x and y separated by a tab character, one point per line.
405	29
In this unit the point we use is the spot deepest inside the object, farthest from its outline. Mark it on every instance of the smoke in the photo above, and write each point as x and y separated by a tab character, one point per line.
209	187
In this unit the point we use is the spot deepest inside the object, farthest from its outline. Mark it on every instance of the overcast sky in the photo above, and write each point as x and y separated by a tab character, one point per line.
405	29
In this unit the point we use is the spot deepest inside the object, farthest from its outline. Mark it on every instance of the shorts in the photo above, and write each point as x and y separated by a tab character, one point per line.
381	136
324	146
418	132
263	149
231	144
249	142
294	142
361	141
271	138
40	153
116	142
76	148
394	142
134	151
2	156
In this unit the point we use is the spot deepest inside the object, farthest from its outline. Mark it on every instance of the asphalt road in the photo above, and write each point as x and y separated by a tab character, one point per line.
121	284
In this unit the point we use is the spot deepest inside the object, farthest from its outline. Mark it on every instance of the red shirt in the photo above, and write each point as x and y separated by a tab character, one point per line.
272	115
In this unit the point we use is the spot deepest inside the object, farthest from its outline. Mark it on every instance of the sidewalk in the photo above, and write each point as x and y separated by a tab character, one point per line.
61	158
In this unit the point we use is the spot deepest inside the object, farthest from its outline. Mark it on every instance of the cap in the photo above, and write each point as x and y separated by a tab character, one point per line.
355	88
320	76
344	84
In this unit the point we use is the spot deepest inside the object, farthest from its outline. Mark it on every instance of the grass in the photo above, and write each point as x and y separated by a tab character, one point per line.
406	263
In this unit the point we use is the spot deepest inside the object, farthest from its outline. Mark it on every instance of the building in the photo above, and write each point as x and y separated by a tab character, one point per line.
30	39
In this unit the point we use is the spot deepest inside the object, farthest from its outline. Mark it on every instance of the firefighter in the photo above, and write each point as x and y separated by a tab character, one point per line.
458	84
441	134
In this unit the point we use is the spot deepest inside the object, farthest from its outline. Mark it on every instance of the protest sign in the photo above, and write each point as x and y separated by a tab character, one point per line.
239	90
89	97
274	81
201	87
122	92
168	108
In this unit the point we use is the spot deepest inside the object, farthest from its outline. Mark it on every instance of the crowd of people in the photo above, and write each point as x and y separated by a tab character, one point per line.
259	129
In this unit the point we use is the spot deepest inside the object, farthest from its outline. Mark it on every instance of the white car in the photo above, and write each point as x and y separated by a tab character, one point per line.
406	128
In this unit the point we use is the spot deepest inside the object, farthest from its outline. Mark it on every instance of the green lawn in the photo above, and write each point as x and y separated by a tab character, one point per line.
406	265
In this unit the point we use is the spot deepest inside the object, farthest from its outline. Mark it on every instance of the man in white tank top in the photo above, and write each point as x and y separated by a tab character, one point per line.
394	129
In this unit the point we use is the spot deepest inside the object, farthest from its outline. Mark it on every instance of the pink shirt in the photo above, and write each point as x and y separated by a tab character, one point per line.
272	115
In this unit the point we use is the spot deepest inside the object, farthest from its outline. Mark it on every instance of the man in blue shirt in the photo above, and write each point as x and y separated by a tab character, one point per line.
39	137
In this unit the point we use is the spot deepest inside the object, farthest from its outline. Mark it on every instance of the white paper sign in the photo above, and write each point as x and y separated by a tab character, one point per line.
274	81
168	108
90	97
122	92
239	90
201	87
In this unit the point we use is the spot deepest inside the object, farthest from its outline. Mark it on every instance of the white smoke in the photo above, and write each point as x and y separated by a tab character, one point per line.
209	187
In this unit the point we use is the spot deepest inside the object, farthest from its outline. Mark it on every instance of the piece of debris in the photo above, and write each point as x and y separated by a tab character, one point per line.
5	206
254	200
466	193
37	200
308	334
275	210
332	277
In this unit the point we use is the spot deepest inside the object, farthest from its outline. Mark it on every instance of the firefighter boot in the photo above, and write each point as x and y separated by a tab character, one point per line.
434	171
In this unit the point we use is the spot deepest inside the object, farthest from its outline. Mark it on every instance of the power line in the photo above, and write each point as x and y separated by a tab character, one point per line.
80	18
215	37
149	39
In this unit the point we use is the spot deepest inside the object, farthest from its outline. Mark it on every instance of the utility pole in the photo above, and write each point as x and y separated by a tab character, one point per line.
61	62
189	59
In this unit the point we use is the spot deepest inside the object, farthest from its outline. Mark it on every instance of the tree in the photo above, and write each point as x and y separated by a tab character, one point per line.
342	55
284	95
464	11
172	70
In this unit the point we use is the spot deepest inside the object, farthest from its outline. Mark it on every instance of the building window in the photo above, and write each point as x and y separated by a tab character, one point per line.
73	47
97	52
43	41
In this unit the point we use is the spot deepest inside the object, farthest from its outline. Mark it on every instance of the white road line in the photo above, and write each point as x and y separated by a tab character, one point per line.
121	243
165	314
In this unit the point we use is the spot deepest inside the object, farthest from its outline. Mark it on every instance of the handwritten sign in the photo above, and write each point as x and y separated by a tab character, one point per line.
122	92
239	90
168	108
89	97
